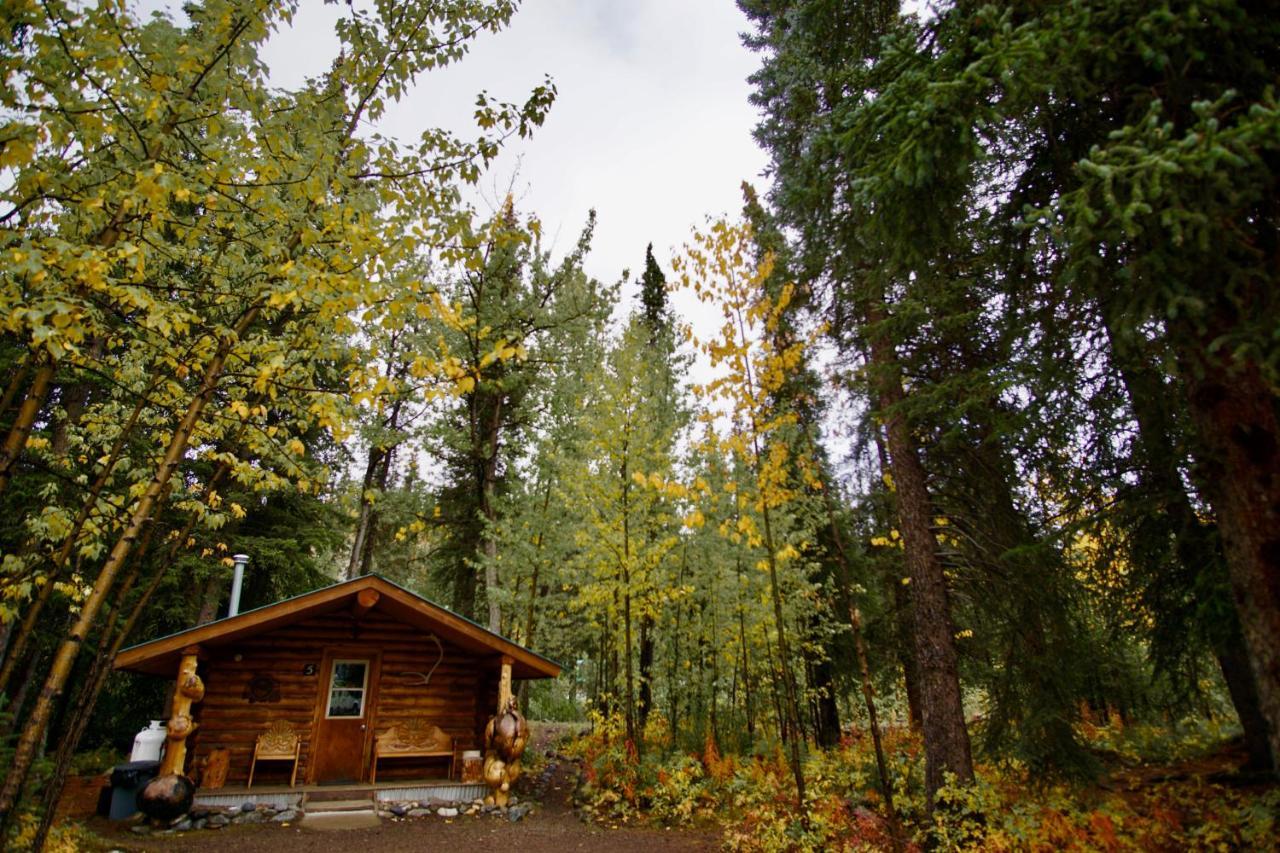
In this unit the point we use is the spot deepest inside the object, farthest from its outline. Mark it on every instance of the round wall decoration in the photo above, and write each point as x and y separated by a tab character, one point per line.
262	688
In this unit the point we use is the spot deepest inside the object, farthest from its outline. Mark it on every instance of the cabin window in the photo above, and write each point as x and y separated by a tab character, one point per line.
347	685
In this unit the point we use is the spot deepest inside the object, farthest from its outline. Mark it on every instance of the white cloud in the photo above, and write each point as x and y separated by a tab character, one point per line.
651	126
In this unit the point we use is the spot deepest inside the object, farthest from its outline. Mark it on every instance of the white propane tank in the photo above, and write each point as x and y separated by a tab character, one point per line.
148	743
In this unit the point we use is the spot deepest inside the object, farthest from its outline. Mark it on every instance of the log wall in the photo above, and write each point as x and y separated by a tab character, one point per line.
459	699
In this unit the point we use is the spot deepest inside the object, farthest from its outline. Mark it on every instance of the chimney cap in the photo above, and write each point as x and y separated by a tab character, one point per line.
241	558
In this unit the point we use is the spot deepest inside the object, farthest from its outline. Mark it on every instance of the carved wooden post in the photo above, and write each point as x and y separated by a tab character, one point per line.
190	689
504	684
170	794
504	739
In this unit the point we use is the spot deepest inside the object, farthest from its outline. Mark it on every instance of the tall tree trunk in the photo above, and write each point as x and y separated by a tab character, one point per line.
1234	411
826	715
34	609
376	476
905	629
864	668
360	548
210	599
626	598
113	637
488	485
645	663
946	739
90	689
674	694
16	383
1195	547
531	611
20	431
904	622
74	398
784	657
36	724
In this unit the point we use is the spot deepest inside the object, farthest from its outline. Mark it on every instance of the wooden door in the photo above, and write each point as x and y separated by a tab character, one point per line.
344	718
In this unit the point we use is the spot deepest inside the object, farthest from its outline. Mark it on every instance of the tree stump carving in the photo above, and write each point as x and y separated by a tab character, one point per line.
505	738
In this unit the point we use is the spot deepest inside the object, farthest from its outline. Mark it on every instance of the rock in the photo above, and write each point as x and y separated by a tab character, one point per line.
218	821
478	801
285	816
447	811
400	810
473	809
248	806
252	817
141	829
197	813
199	824
182	826
516	813
419	812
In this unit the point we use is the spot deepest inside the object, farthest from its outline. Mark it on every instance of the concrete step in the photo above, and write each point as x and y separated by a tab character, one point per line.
341	820
365	805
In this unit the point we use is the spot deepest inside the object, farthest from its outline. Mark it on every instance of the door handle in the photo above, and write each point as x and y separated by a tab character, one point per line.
362	727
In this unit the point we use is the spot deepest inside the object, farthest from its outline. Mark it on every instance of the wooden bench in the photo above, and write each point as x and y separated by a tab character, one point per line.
412	739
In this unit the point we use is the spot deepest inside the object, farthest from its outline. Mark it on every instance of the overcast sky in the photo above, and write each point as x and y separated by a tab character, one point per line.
651	126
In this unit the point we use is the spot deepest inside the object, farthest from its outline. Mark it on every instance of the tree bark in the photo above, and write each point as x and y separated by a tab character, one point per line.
1195	548
645	664
530	623
1234	410
946	739
16	440
905	628
35	609
488	542
826	715
96	679
360	547
16	382
38	721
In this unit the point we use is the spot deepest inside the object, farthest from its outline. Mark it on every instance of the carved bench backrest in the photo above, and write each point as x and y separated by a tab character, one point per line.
278	741
414	736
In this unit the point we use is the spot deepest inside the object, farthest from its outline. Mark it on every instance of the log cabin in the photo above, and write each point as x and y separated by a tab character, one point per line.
360	671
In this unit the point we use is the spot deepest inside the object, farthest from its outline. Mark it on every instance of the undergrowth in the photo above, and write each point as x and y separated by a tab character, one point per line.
752	798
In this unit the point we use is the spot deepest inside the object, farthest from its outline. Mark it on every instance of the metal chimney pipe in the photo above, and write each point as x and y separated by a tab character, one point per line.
237	580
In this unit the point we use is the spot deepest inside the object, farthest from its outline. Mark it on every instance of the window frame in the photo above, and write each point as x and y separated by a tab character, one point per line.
363	689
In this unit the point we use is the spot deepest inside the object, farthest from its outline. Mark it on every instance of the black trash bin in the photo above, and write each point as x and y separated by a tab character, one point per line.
127	781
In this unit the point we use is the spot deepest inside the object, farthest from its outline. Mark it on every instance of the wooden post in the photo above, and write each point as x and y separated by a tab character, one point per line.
504	684
504	739
188	690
